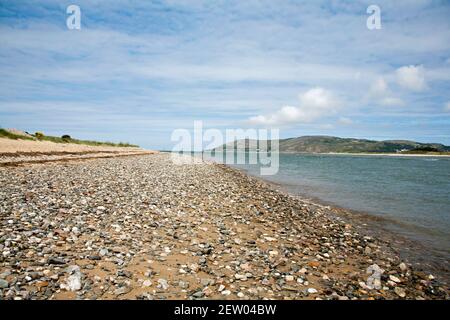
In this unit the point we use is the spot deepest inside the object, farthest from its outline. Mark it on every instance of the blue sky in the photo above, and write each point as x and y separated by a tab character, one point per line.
137	70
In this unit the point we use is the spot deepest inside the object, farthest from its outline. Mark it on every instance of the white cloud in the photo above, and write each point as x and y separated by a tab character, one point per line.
412	78
379	88
447	107
392	102
345	121
314	104
380	92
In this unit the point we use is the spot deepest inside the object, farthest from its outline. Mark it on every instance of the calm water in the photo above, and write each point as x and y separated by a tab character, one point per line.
411	193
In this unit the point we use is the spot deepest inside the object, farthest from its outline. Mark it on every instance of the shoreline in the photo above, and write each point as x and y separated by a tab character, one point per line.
409	248
376	154
381	227
145	228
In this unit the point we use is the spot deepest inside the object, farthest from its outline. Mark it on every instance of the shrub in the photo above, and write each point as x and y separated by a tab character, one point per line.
66	137
39	135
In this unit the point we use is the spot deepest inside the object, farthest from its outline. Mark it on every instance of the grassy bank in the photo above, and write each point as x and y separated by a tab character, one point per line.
6	134
64	139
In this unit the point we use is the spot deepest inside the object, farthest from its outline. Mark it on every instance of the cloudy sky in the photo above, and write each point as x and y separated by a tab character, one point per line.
137	70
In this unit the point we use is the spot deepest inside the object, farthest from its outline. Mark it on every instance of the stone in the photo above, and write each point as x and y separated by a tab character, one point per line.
162	283
400	292
198	294
146	283
205	282
56	260
122	290
130	210
4	284
74	280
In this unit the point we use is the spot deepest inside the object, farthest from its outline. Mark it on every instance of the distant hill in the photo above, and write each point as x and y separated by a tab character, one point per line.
328	144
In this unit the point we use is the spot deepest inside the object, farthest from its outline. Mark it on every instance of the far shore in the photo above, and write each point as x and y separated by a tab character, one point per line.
374	154
357	154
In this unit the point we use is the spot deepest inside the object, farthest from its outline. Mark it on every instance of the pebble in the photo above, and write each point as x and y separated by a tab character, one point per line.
289	278
208	225
4	284
400	292
146	283
162	283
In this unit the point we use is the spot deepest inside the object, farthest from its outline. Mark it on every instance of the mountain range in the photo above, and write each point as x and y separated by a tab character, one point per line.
329	144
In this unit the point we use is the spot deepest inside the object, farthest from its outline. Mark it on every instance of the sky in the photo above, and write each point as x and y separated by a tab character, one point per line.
138	70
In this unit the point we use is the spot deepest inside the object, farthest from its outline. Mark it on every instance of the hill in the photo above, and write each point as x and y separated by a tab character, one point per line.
329	144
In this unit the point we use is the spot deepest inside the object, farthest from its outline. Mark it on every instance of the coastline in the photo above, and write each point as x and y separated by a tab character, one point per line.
144	228
408	249
373	154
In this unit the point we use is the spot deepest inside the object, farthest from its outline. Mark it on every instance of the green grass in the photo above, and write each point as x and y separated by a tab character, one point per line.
6	134
87	142
431	153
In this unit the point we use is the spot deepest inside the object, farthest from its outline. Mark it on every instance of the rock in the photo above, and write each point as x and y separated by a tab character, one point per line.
74	280
162	284
240	277
374	280
289	278
55	260
121	291
198	294
400	292
146	215
205	282
4	284
146	283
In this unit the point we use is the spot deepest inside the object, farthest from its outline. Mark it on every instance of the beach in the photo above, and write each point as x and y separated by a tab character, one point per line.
16	152
142	227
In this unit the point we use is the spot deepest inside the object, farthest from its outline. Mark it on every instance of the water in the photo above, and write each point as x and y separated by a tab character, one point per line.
410	194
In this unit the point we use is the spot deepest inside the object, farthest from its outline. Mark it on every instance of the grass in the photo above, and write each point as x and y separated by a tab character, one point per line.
431	153
6	134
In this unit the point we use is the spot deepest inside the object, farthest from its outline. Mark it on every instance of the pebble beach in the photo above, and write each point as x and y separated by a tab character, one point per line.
142	227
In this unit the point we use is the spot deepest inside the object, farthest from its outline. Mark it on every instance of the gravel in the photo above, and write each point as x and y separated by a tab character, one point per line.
144	228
